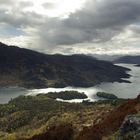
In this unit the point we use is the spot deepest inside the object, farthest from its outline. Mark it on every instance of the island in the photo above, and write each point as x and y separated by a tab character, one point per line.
67	95
105	95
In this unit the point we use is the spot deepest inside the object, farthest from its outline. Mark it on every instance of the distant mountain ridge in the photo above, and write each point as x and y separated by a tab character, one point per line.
129	59
31	69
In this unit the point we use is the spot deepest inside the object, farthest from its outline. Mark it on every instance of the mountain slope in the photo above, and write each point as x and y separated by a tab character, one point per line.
27	68
112	122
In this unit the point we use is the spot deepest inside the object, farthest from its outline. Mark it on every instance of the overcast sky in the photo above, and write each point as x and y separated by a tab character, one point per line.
72	26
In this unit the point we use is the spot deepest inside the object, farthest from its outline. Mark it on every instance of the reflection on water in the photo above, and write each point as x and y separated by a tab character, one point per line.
7	94
122	90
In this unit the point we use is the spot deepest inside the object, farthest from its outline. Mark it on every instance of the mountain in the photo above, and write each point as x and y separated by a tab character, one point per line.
31	69
129	60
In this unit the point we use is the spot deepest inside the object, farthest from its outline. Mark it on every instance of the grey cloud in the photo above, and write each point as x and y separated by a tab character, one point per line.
48	5
106	14
135	29
13	14
25	4
20	19
12	3
5	2
96	22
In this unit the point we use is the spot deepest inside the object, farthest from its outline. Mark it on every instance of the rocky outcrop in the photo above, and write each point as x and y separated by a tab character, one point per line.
130	129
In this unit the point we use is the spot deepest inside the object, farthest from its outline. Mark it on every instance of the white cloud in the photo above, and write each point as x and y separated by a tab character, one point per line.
55	8
99	49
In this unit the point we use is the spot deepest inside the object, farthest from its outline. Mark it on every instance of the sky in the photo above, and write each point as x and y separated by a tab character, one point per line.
102	27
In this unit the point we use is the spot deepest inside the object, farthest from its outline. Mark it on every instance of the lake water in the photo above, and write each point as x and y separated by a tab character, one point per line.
7	94
122	90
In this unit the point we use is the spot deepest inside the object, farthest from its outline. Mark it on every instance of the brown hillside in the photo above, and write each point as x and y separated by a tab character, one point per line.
60	132
111	123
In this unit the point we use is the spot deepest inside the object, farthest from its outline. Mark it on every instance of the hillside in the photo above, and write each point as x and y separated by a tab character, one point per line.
42	117
27	116
129	60
30	69
112	122
104	128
